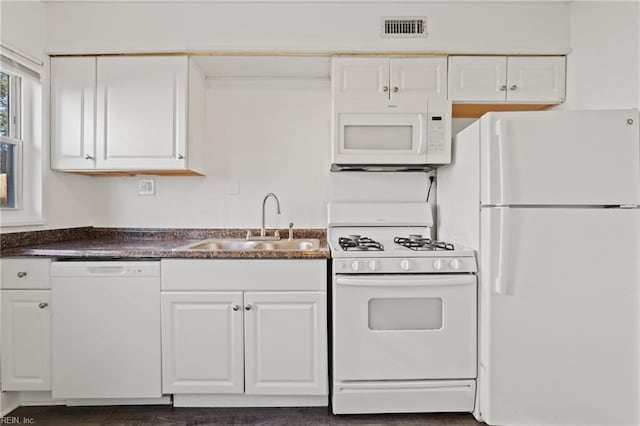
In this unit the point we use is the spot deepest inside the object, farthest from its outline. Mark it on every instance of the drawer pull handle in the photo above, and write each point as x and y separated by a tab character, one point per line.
43	305
22	274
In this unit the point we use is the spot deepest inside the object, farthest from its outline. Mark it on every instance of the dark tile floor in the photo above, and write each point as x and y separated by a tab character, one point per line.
167	415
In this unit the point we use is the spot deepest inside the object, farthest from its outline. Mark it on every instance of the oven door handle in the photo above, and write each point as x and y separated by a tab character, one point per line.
409	281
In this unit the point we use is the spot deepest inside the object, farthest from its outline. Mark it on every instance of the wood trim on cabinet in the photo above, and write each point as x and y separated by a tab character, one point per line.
120	173
477	110
407	54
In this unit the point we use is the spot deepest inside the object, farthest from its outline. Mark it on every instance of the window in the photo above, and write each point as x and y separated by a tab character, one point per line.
10	141
21	150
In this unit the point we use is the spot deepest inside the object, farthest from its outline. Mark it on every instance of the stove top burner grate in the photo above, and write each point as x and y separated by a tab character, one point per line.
359	243
418	242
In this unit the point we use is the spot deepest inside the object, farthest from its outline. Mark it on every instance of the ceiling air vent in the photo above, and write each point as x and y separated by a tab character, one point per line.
404	27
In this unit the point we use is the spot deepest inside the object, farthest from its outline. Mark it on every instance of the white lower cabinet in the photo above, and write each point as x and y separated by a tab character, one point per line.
202	348
25	324
26	340
285	343
263	340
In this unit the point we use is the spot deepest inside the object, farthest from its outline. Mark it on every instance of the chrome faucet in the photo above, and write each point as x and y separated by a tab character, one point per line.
263	232
264	203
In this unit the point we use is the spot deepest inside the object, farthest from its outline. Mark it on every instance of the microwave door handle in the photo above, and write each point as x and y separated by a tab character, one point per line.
422	136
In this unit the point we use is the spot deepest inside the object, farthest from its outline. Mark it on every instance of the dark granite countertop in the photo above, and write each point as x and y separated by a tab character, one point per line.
145	243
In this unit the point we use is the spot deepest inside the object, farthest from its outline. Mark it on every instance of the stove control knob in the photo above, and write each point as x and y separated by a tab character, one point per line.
355	266
374	265
455	264
437	264
405	265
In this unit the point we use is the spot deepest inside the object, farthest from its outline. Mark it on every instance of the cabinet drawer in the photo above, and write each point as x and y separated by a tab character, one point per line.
241	274
23	273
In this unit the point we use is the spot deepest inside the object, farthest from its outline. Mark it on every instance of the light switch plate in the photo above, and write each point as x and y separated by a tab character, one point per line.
146	186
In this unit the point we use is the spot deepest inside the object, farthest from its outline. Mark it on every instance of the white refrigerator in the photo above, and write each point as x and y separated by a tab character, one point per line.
549	200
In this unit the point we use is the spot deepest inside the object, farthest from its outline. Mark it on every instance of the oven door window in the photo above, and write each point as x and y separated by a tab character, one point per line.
424	313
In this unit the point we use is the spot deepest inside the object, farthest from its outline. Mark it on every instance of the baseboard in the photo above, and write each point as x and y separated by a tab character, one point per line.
164	400
212	400
9	401
39	398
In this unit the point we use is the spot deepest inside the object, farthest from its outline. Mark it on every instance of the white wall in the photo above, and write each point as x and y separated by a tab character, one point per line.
80	27
67	198
273	135
22	26
263	135
603	68
290	156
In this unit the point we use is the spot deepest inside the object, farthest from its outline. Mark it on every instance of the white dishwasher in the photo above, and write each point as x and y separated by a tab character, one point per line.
105	329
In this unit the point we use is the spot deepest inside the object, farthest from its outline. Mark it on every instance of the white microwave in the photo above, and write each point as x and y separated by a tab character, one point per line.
391	141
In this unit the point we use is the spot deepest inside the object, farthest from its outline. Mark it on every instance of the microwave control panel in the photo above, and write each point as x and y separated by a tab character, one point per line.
436	133
438	138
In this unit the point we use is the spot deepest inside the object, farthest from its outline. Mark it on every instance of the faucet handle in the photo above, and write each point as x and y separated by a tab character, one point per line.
290	231
248	235
276	234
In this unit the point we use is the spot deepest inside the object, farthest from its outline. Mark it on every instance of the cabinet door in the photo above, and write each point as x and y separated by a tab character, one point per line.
360	84
415	81
477	78
26	340
141	112
285	343
73	91
202	348
536	79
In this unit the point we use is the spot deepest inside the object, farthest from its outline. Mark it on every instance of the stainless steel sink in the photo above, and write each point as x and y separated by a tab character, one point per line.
295	244
237	244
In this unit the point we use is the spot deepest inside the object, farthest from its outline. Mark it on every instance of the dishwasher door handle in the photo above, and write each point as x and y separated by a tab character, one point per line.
106	270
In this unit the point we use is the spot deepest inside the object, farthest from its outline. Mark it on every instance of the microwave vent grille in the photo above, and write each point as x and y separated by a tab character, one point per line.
404	27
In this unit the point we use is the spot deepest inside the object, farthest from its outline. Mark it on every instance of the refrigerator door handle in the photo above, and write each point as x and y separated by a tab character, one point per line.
503	159
504	227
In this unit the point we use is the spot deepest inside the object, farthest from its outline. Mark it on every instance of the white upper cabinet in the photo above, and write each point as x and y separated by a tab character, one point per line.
481	79
414	81
500	79
387	84
73	93
120	113
536	79
141	105
360	82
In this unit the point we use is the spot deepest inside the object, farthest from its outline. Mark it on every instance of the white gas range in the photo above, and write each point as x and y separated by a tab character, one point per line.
404	312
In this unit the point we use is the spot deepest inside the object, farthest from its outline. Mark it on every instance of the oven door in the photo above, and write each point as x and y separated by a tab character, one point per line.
399	327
